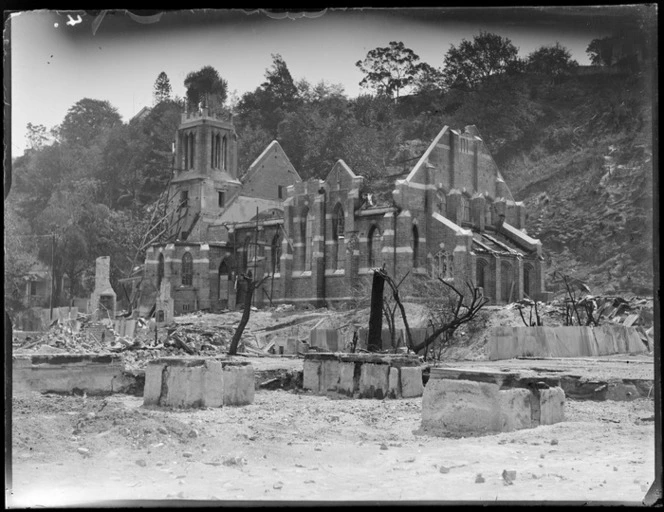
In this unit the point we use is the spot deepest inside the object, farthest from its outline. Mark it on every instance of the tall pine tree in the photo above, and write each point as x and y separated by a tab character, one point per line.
162	88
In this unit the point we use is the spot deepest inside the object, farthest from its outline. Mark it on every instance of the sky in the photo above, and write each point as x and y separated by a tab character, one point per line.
57	60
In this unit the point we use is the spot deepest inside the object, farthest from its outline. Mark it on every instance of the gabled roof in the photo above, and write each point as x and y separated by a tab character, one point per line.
340	164
255	165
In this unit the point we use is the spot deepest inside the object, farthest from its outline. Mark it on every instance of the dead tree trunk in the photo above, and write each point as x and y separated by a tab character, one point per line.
375	341
246	312
382	274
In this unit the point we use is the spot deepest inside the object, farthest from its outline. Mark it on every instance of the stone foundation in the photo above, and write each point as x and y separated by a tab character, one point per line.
93	374
466	402
363	375
198	382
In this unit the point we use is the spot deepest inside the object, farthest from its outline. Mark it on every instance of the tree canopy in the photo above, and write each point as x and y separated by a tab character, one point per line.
205	85
86	120
391	69
551	60
472	62
162	88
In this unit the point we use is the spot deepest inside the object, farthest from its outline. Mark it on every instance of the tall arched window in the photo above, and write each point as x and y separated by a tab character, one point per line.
304	250
276	252
187	269
374	239
160	271
415	245
224	277
481	275
487	213
189	151
224	152
338	230
216	151
507	278
309	240
185	147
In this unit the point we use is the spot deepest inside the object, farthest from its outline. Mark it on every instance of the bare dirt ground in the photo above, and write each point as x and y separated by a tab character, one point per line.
296	446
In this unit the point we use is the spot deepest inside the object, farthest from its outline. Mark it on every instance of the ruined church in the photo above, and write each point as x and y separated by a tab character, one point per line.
452	216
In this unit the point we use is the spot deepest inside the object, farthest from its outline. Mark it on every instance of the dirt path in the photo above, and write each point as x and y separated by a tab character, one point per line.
294	446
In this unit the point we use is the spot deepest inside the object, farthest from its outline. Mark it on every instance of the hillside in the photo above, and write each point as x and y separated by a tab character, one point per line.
587	182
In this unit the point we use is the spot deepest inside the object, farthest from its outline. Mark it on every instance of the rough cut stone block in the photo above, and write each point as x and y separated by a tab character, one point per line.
552	404
329	379
374	380
461	407
183	386
346	379
515	409
393	390
311	375
238	384
411	382
152	388
213	385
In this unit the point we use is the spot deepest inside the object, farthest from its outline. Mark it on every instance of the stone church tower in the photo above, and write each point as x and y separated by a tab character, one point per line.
206	175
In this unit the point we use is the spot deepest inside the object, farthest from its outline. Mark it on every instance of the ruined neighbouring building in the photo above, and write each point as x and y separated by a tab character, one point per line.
452	216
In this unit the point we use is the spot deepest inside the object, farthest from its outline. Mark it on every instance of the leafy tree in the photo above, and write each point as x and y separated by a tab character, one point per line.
206	85
391	69
600	51
87	120
279	81
474	61
36	136
551	60
19	251
162	88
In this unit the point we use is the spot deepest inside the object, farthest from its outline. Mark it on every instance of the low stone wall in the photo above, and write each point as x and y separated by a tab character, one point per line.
363	375
198	382
572	341
462	402
94	374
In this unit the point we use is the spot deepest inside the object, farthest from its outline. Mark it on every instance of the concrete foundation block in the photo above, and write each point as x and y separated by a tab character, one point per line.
461	407
515	409
238	384
329	379
152	388
394	384
552	406
411	382
347	382
212	385
311	375
374	380
182	386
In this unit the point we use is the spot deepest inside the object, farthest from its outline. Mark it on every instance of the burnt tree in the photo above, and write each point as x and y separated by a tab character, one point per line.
246	312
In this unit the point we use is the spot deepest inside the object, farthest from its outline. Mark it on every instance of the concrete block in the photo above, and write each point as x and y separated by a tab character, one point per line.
329	378
213	386
238	384
393	387
374	380
152	389
552	406
461	407
411	382
515	409
292	345
311	375
347	384
183	386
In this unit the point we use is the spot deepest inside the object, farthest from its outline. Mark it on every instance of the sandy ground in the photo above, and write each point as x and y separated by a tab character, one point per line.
296	446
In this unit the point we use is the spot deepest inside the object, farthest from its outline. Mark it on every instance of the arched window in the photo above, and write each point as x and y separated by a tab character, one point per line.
309	240
190	143
187	269
441	203
224	152
216	151
160	271
507	279
481	275
415	245
303	239
276	252
528	277
224	277
487	213
374	240
185	144
338	230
